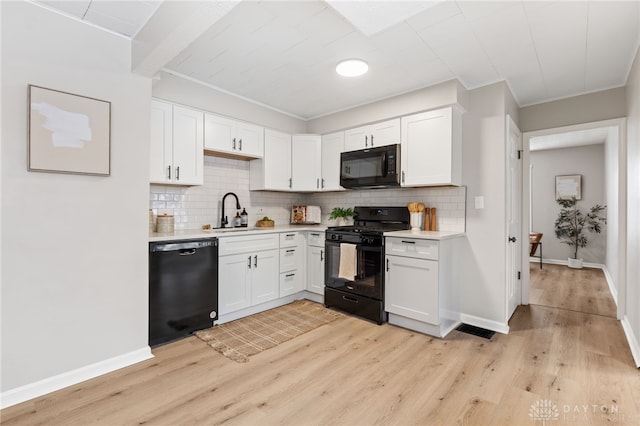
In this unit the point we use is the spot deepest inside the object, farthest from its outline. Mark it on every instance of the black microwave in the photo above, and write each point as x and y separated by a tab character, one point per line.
371	168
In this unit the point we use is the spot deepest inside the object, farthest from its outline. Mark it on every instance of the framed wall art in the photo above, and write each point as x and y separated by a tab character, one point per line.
568	187
68	133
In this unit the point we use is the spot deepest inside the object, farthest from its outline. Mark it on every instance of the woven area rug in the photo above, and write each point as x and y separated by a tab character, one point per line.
239	339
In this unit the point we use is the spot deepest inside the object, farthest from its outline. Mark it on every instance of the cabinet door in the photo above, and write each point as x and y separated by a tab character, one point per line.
431	150
250	140
354	139
332	146
219	134
264	276
273	171
306	162
234	284
315	268
188	154
385	133
411	288
161	148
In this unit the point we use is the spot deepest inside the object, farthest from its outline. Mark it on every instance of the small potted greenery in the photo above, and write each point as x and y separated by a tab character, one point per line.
572	225
341	215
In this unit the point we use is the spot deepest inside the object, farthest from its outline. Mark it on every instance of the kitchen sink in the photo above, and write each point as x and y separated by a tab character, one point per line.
231	229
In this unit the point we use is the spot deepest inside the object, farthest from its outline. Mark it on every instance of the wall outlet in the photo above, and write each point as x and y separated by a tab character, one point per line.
479	202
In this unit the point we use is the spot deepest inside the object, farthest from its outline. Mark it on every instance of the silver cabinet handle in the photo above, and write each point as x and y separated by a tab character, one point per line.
290	182
169	174
366	139
317	183
290	251
371	140
323	182
233	146
240	144
387	265
290	275
403	176
249	264
178	173
255	261
321	255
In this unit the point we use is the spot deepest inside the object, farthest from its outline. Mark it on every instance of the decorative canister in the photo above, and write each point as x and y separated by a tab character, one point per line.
165	223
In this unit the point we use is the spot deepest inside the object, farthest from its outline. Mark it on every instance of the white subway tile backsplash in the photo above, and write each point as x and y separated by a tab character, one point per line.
195	206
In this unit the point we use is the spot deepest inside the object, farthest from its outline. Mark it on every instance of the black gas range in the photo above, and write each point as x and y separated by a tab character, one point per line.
354	267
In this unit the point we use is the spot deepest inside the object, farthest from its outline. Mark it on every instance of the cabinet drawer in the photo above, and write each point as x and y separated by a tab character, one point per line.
290	239
291	258
316	239
247	243
412	247
291	282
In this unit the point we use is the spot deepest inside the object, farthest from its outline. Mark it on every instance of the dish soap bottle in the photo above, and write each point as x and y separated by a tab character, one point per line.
237	220
244	218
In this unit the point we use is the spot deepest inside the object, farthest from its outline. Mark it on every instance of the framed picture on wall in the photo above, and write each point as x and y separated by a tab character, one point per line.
569	186
68	133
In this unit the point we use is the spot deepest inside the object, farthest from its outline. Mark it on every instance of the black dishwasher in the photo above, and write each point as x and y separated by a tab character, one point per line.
183	288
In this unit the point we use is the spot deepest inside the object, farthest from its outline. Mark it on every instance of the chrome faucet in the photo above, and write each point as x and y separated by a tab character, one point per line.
224	220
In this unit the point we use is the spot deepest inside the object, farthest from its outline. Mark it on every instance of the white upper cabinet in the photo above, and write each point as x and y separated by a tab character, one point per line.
176	149
306	162
273	171
161	149
431	152
372	135
332	146
228	136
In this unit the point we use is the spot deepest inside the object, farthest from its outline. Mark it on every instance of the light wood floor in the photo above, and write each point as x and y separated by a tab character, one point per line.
353	372
582	290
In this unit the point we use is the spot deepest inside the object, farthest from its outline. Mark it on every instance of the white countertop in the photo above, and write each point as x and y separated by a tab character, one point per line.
230	232
425	235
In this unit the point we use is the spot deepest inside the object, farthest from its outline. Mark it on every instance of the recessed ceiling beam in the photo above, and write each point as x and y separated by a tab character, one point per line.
171	29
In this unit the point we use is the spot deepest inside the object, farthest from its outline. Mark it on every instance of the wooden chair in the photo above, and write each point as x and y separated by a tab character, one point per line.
535	241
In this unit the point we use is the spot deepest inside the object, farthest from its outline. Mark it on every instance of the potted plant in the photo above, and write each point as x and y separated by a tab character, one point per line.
573	223
341	215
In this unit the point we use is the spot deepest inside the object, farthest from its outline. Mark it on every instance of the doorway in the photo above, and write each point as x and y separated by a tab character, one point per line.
611	263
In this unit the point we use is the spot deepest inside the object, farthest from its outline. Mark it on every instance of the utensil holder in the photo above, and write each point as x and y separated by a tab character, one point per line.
416	220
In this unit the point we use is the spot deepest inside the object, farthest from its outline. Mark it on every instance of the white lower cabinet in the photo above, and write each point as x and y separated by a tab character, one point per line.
420	285
247	278
315	263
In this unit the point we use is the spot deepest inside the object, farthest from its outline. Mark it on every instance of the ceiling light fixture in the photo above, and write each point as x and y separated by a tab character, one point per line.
352	67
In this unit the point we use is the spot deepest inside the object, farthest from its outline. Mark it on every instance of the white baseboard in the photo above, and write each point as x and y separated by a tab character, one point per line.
610	283
485	323
42	387
634	345
564	262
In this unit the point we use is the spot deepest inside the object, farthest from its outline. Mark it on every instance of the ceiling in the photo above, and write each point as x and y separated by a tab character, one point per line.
283	54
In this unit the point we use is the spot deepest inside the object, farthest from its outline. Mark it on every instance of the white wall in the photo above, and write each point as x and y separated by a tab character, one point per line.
179	90
587	161
439	95
598	106
484	258
74	248
612	182
632	319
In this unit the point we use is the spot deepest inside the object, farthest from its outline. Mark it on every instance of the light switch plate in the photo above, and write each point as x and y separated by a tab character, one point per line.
479	202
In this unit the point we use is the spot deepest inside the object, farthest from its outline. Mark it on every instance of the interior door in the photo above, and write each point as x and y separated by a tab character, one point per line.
514	222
